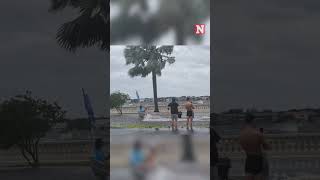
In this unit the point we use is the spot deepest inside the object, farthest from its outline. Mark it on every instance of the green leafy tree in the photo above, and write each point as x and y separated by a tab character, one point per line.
24	121
118	99
179	15
149	60
90	28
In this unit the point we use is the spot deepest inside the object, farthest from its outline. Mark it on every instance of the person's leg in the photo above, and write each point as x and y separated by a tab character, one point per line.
187	122
172	125
176	122
172	122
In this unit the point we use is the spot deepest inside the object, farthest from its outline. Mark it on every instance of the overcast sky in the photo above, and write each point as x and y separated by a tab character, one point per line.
188	76
266	54
31	59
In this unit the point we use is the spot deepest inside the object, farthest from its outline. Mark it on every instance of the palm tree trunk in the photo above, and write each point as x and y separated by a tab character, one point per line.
180	37
155	96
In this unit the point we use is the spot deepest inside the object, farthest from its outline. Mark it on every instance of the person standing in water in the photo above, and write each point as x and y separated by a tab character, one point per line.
253	143
189	107
174	114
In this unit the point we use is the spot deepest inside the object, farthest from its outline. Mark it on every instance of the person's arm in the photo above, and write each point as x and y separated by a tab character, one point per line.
264	143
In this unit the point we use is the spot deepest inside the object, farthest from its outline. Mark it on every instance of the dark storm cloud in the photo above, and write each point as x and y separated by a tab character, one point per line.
31	59
266	54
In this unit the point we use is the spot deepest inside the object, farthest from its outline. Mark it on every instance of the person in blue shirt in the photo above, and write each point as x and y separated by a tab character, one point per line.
137	160
98	152
141	109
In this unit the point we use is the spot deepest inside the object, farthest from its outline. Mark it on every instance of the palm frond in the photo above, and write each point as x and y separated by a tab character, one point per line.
84	31
58	5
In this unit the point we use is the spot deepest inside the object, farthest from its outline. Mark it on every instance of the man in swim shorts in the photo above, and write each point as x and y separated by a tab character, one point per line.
253	143
189	107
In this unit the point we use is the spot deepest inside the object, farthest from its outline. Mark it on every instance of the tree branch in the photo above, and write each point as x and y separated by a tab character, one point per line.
24	154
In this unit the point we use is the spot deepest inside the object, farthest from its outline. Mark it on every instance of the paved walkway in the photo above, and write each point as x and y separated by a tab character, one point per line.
178	171
84	173
47	173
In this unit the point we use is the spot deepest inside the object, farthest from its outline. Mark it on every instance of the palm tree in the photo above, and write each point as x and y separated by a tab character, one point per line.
179	15
90	28
148	60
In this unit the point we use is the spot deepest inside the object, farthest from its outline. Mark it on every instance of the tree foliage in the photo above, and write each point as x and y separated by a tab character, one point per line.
90	28
148	60
24	121
179	15
118	99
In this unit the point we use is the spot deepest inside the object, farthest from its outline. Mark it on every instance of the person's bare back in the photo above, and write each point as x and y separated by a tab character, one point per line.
189	106
253	143
251	140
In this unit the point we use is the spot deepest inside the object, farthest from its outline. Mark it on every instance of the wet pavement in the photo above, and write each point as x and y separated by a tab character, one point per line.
47	173
119	136
133	119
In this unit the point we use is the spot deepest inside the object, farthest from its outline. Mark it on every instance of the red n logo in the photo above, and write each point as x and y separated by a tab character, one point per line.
199	29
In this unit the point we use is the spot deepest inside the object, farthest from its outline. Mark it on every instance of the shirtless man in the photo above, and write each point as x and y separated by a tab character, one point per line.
253	143
189	106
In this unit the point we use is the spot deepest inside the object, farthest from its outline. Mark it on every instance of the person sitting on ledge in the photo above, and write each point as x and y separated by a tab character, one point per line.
141	109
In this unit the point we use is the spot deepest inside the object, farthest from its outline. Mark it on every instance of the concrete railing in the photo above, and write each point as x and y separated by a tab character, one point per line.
280	143
202	108
290	153
52	152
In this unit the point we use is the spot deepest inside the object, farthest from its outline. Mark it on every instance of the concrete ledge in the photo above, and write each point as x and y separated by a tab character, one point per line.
17	164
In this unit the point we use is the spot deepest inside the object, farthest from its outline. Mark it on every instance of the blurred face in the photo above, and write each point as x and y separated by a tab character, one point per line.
137	145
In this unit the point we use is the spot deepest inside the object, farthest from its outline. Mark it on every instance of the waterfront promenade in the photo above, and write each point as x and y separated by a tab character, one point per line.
293	154
47	173
70	159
